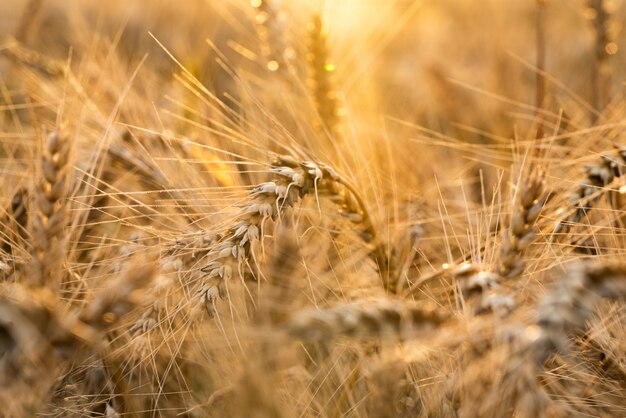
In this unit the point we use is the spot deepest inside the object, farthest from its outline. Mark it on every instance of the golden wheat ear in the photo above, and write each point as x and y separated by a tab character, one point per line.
522	230
50	217
377	318
600	175
567	308
293	181
15	222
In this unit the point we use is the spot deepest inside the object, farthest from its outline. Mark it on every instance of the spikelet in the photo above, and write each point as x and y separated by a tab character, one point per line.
482	290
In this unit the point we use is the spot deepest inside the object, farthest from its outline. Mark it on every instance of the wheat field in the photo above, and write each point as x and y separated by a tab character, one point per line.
316	208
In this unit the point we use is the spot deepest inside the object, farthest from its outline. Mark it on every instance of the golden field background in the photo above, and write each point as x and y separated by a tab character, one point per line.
356	208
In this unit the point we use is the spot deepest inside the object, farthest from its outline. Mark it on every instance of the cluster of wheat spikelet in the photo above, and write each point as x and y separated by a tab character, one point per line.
252	209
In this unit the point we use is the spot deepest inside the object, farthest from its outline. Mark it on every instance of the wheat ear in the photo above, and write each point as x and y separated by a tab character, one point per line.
283	266
121	296
15	221
562	313
272	36
320	77
482	288
18	53
293	181
38	335
522	231
48	223
378	318
566	309
599	175
603	48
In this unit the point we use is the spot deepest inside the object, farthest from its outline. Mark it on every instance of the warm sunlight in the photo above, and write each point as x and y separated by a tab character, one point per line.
312	208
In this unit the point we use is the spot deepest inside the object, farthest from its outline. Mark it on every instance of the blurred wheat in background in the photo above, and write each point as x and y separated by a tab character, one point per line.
350	208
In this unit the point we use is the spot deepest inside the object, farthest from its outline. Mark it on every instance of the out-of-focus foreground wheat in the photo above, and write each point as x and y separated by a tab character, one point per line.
312	208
